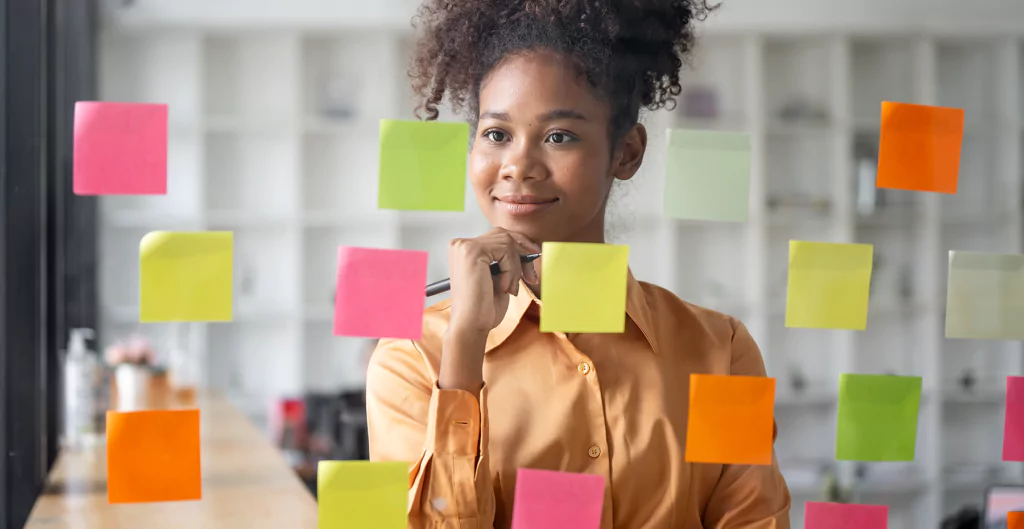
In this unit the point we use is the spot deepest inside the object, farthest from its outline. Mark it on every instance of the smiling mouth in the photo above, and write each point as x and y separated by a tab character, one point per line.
524	205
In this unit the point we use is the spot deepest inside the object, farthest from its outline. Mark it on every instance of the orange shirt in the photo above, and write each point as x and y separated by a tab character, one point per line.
608	404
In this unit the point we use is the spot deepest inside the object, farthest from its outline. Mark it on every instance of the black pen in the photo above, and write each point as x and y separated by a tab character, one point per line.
445	285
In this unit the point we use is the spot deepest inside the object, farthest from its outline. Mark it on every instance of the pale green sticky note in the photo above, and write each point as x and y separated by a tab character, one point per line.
362	494
707	175
186	276
583	287
829	285
422	165
877	417
985	296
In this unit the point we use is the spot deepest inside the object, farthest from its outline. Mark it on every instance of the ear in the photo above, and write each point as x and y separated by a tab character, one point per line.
629	153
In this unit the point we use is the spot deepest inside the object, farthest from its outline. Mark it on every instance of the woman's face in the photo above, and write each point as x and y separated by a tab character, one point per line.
541	163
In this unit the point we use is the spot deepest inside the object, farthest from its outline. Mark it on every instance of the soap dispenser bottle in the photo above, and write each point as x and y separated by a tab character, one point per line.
81	373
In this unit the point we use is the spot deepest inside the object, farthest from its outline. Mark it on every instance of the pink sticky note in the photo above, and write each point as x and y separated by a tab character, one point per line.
120	149
547	499
380	293
1013	426
845	516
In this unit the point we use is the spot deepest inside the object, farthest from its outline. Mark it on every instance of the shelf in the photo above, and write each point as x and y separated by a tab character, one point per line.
320	257
881	70
332	363
250	173
339	172
251	75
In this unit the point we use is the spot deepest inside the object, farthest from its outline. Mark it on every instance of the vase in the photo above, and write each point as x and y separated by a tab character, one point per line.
132	387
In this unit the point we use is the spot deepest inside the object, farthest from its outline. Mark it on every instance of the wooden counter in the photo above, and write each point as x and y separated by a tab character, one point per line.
246	484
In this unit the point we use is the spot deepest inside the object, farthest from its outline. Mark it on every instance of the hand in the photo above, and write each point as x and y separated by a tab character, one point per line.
480	300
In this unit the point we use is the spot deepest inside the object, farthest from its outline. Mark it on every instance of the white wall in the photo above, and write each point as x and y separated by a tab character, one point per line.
735	14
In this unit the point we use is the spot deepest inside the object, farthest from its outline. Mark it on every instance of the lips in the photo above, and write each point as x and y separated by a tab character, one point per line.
519	205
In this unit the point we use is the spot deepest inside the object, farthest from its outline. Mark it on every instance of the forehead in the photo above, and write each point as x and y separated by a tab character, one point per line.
541	80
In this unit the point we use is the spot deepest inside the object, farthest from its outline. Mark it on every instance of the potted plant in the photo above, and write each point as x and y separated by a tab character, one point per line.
132	363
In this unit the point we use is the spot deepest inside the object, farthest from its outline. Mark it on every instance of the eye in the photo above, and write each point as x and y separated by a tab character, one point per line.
561	137
496	136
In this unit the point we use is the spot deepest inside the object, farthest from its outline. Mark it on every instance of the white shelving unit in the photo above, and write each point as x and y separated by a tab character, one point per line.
274	136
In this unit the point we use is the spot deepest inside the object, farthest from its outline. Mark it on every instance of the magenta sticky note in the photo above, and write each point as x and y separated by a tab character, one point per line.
1013	425
380	293
547	499
120	148
819	515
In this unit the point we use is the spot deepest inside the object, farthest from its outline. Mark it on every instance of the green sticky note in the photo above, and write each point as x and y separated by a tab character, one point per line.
877	417
707	175
985	296
422	165
828	285
362	494
186	276
583	287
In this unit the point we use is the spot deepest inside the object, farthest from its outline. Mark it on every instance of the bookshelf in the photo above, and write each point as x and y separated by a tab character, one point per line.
274	136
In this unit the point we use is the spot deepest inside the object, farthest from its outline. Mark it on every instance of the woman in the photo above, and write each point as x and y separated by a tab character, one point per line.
553	91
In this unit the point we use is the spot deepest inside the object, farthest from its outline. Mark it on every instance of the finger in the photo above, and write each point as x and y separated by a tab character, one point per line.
511	270
530	273
527	245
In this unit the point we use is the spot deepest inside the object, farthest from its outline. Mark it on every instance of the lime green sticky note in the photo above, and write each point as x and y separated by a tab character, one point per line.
583	287
828	285
707	175
185	276
985	296
877	417
362	494
422	165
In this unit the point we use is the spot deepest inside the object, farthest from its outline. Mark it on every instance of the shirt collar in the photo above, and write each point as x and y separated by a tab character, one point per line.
636	308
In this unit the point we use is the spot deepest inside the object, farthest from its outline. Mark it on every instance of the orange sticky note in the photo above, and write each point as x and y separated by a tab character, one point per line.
732	420
153	456
1015	520
919	147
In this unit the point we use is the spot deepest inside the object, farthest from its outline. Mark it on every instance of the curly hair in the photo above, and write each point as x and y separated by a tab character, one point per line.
629	51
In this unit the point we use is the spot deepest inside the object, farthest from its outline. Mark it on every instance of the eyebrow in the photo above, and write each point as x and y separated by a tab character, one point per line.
552	115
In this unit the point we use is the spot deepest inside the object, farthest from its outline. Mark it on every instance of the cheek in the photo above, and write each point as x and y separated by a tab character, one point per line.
586	177
483	170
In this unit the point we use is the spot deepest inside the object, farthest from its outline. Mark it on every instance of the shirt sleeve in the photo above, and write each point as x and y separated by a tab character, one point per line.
749	496
442	434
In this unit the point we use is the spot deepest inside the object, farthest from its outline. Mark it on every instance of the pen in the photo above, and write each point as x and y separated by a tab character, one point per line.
445	285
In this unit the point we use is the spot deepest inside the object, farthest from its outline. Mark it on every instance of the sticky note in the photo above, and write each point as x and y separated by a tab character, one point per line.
731	420
707	175
380	293
1015	520
153	456
985	296
422	165
186	276
546	499
360	494
584	287
828	285
1013	425
120	149
819	515
877	417
919	147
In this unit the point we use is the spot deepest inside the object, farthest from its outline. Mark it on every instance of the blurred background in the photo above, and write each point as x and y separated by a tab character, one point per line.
274	109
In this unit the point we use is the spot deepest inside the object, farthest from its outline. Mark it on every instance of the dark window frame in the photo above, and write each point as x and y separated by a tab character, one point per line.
48	239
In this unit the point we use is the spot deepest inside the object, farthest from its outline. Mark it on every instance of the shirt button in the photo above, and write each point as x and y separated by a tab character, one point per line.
583	368
594	452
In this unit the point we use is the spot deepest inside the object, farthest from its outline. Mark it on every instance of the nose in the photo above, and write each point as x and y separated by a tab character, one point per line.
521	163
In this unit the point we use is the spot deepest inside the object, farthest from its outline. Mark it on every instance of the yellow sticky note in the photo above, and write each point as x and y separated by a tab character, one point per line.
360	494
583	287
828	285
186	276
